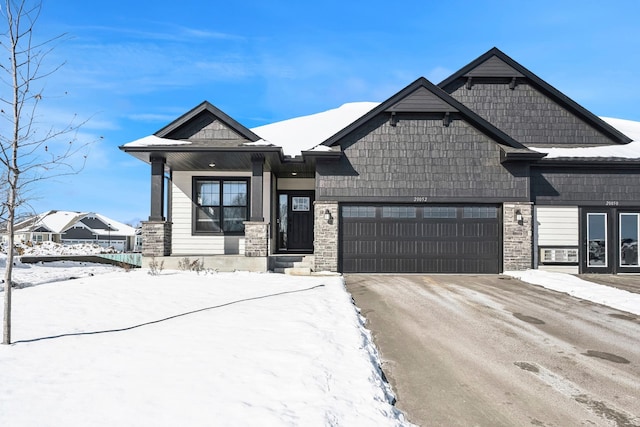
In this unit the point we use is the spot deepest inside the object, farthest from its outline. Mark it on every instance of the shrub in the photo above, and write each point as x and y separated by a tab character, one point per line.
155	267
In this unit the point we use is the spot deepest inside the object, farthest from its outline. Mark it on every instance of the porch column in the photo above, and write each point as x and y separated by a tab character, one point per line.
156	238
256	239
157	189
257	172
325	235
517	235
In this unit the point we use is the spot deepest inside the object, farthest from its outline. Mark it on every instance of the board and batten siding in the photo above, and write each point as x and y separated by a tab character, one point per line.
183	242
556	226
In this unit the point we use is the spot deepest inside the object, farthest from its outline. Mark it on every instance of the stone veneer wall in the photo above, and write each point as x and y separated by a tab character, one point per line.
156	238
517	236
325	237
256	239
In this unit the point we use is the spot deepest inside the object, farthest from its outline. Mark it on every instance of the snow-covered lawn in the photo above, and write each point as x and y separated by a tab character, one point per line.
181	349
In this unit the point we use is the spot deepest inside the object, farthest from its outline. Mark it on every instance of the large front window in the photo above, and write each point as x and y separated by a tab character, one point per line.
221	205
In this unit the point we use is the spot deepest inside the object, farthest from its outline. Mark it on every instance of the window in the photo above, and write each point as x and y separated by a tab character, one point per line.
480	212
221	205
629	239
597	239
300	204
398	212
439	212
359	211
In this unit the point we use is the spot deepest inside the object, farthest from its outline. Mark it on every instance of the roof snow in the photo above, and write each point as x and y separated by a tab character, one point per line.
618	151
154	141
306	132
59	221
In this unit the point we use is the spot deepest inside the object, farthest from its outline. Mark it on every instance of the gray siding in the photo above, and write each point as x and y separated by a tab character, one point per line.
585	186
94	223
78	233
419	160
421	100
527	115
494	67
205	127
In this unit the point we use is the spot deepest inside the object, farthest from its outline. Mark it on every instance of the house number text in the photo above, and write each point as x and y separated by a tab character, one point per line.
611	203
420	199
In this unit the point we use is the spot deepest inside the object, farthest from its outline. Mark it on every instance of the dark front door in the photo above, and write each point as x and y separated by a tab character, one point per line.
295	221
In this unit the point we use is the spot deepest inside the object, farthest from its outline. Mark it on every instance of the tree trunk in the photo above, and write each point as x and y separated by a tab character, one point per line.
6	325
13	175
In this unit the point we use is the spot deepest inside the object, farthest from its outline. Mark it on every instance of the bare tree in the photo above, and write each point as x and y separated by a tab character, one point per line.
30	151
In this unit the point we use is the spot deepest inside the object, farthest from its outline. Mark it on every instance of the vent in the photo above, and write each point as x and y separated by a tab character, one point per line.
559	255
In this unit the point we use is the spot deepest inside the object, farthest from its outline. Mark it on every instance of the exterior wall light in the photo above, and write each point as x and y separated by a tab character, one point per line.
212	165
327	215
519	216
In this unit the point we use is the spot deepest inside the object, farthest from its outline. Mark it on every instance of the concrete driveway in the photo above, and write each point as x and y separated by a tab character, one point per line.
493	351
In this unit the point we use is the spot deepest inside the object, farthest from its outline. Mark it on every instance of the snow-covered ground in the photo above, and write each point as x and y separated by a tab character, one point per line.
52	248
574	286
127	348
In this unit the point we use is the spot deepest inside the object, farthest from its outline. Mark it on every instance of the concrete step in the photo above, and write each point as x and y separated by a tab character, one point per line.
292	264
298	271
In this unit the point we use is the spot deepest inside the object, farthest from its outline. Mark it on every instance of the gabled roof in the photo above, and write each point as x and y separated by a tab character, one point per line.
206	106
495	63
54	221
422	96
58	222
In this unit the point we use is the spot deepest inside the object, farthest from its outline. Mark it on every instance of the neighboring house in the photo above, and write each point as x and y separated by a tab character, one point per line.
491	170
70	228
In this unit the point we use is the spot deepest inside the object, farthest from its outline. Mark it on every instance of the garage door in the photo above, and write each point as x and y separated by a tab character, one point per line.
420	239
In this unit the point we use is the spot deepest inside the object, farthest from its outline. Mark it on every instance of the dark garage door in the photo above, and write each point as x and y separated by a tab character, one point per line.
420	239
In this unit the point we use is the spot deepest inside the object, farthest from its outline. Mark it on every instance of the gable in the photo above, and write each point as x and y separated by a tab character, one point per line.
93	223
205	126
421	100
529	116
419	158
526	107
493	67
422	96
209	125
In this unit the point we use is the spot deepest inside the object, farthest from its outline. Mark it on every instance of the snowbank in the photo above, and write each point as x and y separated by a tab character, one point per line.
574	286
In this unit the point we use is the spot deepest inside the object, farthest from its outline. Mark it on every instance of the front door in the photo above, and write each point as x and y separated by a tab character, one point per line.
295	221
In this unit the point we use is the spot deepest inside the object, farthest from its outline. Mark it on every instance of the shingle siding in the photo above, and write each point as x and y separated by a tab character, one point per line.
205	127
527	115
585	185
419	158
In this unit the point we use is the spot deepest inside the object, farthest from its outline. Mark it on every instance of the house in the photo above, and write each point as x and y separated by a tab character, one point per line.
491	170
70	228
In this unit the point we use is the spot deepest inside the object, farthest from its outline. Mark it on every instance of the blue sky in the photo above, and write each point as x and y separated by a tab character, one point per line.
134	66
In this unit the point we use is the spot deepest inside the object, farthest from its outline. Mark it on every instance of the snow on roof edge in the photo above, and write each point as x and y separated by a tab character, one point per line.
618	151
